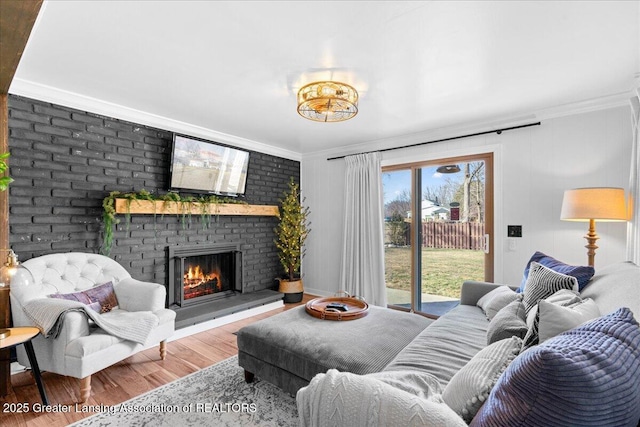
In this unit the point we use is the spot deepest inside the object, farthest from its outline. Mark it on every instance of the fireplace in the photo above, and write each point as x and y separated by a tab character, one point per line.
201	273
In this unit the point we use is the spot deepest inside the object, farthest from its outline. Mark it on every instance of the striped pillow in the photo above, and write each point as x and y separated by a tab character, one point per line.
588	376
544	282
563	297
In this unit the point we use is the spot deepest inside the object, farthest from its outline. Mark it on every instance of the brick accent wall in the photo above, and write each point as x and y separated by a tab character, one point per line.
65	161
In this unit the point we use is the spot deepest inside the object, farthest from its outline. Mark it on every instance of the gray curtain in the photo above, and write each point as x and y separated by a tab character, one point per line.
362	270
633	226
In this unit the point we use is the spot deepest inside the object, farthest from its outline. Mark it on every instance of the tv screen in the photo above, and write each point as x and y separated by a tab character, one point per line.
204	166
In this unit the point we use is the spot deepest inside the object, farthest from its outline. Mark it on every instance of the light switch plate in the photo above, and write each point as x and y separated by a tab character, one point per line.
514	231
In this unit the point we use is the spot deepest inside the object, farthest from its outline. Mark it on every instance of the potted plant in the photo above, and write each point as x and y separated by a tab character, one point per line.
291	233
4	180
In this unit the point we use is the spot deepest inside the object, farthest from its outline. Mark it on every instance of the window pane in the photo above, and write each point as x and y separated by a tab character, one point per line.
397	209
452	232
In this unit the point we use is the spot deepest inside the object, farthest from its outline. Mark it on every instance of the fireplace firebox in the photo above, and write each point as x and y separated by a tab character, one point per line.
201	273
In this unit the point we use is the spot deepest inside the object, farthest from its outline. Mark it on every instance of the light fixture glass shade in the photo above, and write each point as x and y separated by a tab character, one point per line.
448	169
327	101
11	272
599	203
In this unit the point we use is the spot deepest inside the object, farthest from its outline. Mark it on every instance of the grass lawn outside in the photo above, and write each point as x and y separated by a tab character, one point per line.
443	270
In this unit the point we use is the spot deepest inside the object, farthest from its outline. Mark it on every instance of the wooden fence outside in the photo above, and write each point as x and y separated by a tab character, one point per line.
453	235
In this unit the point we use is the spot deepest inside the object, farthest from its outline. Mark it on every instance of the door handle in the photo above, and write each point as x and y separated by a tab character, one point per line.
486	244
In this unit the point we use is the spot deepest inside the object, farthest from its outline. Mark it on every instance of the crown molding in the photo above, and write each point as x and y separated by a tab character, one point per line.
616	100
581	107
54	95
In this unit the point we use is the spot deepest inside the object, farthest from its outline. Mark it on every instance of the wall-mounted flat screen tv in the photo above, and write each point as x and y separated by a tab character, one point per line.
207	167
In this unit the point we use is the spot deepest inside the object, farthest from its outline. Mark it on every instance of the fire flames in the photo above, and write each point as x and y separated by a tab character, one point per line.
195	277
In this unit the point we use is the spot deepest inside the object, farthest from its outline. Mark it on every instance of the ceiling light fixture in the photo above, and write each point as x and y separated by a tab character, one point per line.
327	101
448	169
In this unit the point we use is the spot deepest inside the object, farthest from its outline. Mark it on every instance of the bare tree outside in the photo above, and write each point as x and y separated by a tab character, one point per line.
470	194
398	206
442	194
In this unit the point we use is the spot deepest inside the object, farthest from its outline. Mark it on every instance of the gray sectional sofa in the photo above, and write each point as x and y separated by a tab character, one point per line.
410	389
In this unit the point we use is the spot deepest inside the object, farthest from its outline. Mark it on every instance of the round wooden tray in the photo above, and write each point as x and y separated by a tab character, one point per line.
356	308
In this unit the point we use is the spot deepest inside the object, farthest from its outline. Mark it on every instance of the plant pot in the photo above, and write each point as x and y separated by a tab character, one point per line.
292	290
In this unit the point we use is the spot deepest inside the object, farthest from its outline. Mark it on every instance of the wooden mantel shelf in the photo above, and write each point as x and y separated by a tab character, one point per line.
160	207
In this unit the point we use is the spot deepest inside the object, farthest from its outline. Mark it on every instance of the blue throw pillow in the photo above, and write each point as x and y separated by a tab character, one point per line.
583	273
588	376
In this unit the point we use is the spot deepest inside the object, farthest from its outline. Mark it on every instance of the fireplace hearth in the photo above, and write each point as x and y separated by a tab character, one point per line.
205	282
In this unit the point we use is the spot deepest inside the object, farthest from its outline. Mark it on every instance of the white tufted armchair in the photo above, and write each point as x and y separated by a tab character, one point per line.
81	349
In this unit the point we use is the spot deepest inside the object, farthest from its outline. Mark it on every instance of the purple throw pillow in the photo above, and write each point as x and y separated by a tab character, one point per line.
101	298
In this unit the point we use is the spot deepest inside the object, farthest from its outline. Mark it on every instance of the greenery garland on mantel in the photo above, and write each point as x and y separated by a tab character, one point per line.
186	203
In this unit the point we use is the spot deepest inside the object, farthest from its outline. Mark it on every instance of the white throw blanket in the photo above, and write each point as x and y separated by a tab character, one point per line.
48	315
345	399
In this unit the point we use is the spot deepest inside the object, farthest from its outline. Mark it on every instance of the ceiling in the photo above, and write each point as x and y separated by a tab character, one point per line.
233	68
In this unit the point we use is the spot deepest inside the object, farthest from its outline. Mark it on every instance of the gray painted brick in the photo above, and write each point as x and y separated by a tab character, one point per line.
116	143
50	183
30	173
51	148
88	137
52	130
89	154
69	124
17	103
69	142
51	111
28	135
101	130
87	118
103	163
118	125
20	124
136	157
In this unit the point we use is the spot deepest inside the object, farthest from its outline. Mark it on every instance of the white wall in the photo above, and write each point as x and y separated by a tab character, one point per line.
533	167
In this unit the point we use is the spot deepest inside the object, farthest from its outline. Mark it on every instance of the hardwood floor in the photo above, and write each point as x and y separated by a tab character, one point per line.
131	377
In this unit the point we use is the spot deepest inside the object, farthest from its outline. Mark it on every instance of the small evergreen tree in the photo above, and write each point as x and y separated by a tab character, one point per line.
292	230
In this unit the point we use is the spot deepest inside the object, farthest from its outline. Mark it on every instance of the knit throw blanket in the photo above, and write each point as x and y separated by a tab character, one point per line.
48	315
346	399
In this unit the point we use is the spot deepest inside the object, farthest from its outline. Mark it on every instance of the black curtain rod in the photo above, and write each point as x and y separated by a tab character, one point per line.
498	131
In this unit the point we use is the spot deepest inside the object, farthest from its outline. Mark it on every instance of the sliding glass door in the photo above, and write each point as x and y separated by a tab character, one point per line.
398	256
438	225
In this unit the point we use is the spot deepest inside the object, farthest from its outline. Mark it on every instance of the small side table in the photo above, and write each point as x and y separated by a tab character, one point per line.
24	335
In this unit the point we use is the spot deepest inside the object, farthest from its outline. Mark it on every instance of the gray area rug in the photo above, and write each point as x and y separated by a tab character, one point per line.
214	396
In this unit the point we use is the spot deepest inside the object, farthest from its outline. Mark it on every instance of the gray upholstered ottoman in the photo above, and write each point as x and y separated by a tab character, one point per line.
290	348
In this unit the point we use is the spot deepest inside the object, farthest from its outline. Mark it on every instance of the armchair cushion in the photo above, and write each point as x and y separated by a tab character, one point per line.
135	295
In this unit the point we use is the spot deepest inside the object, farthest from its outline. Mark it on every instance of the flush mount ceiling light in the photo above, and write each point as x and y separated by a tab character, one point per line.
327	102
